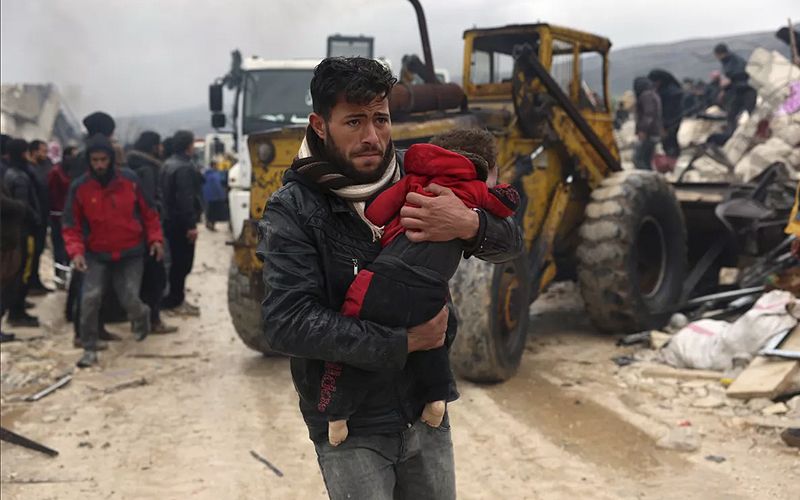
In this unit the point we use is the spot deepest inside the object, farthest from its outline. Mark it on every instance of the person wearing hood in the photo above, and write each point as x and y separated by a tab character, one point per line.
670	92
181	184
143	160
737	94
109	225
648	122
20	183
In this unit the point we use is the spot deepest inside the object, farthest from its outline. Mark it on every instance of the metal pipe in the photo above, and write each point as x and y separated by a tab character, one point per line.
426	43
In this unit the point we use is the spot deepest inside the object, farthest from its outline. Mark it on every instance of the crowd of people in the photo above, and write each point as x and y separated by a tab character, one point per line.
117	221
662	102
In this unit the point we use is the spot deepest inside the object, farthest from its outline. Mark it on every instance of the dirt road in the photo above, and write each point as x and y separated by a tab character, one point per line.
177	416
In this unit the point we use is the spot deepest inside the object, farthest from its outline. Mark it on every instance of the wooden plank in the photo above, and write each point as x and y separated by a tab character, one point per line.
663	371
763	378
792	342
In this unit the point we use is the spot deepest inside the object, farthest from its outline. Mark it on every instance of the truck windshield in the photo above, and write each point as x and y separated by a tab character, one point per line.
276	97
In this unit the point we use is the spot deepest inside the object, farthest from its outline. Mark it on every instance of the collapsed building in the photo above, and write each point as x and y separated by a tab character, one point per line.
37	111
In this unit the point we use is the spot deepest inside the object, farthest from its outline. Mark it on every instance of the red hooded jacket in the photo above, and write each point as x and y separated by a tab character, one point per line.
426	164
109	218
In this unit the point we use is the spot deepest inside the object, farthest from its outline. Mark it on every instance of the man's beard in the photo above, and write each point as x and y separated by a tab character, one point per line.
348	168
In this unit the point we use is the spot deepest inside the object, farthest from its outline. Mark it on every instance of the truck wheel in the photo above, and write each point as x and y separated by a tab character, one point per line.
492	302
245	310
632	256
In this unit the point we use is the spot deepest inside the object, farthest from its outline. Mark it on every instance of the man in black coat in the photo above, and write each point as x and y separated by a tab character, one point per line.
314	238
671	95
181	191
20	184
143	160
738	95
40	167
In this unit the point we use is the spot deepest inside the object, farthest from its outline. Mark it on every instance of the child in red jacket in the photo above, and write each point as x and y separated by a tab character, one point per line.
407	284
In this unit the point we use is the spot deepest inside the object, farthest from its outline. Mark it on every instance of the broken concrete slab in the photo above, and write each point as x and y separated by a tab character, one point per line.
775	409
771	73
679	439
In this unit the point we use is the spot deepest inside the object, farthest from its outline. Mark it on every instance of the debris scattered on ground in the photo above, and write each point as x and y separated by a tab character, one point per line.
714	345
14	438
110	381
623	360
764	378
791	436
267	463
52	388
715	458
680	438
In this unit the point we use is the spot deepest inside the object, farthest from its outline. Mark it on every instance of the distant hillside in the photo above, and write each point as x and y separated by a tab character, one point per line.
690	58
196	119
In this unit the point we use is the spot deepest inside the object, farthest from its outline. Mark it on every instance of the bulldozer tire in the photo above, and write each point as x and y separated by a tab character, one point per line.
632	255
492	302
245	311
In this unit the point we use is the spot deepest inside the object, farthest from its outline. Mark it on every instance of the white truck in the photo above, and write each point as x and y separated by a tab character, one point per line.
268	94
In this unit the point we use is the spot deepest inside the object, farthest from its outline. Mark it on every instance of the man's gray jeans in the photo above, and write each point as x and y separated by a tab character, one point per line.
415	464
126	278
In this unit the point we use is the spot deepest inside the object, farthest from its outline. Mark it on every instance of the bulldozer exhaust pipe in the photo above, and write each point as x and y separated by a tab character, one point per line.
430	77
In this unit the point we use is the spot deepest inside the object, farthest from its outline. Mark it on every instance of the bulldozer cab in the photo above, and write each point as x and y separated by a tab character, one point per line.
578	62
575	62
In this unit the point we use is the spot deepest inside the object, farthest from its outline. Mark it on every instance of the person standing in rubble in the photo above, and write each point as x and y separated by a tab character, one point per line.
181	187
143	160
648	122
671	95
103	124
20	183
40	167
109	225
738	95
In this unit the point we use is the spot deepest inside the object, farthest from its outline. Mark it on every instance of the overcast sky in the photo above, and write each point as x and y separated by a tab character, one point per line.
137	57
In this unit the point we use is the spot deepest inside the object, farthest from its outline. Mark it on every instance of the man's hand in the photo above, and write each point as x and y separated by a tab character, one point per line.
191	235
157	251
443	217
429	335
79	263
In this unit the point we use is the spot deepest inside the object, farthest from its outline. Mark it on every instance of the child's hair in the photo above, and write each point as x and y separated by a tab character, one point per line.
478	145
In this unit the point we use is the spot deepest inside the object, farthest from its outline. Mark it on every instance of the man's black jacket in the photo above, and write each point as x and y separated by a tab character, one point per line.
312	246
181	189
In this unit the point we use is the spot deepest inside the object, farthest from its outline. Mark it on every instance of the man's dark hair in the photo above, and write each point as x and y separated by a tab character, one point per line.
69	152
721	49
34	145
16	150
357	79
182	140
147	142
4	140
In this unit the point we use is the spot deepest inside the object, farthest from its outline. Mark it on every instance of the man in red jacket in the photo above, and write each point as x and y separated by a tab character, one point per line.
108	226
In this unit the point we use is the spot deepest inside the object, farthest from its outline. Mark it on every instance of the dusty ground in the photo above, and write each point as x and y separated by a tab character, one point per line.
176	417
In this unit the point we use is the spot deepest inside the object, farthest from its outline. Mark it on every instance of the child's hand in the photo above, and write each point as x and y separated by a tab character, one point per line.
443	217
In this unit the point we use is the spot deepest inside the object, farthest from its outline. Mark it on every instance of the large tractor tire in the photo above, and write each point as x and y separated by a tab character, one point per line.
493	302
244	305
632	256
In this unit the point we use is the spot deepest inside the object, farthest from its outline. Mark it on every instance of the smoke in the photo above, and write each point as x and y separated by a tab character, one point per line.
148	56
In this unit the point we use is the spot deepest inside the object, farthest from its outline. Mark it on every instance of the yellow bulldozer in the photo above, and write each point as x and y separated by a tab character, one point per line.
620	234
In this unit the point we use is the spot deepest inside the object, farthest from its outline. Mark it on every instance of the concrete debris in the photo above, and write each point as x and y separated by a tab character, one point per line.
776	409
758	404
714	345
710	401
679	439
770	134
